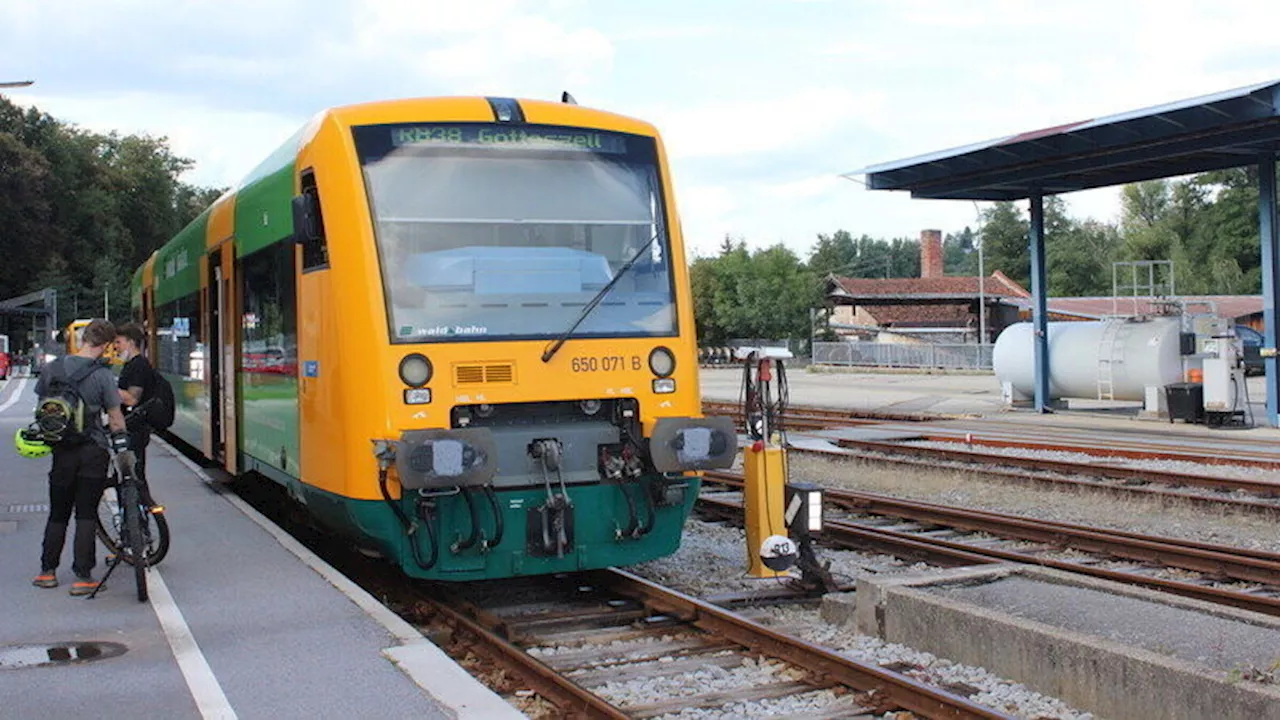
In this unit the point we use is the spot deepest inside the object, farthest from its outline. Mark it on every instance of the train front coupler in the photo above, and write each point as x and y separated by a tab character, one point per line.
550	525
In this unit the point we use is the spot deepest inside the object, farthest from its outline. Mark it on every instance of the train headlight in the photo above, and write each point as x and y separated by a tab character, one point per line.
663	386
415	370
662	362
417	396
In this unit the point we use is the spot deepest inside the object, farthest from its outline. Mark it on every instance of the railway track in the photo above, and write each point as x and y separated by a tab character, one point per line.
582	642
1133	481
940	534
1136	444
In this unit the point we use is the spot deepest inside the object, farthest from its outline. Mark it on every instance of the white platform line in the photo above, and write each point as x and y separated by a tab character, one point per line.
16	396
458	693
201	681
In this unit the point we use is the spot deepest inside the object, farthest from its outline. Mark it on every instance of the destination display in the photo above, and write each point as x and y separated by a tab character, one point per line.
508	137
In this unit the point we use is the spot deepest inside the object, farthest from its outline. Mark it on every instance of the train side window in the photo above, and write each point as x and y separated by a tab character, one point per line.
308	224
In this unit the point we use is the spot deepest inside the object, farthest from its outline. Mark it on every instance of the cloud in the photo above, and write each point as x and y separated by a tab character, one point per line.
761	105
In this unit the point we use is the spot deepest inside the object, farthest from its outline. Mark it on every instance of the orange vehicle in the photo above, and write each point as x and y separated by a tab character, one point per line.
74	334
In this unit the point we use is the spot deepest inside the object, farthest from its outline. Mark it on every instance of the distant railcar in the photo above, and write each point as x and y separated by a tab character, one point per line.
6	360
74	338
458	330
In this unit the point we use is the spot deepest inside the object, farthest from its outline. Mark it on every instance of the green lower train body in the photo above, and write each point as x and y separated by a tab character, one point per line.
600	518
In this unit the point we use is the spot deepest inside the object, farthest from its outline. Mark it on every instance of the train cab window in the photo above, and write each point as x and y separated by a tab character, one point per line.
486	233
308	224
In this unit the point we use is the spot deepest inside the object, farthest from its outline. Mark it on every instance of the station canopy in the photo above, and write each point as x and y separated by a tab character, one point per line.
1213	132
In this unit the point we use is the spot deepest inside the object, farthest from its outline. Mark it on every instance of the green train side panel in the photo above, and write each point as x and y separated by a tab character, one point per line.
600	511
269	420
263	212
177	269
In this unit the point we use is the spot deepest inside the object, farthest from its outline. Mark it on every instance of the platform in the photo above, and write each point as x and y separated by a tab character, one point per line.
243	621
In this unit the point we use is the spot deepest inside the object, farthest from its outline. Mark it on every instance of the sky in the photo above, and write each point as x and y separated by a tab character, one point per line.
762	104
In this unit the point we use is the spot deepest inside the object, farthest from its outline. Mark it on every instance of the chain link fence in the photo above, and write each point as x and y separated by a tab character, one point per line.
870	354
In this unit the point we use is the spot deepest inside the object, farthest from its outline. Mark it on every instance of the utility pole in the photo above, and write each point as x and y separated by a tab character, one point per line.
982	283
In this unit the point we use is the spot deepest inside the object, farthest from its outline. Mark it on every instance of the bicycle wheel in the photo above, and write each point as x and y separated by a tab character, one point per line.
155	529
136	550
110	520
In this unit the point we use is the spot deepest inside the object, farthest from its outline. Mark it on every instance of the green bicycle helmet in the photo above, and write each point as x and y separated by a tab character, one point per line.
30	445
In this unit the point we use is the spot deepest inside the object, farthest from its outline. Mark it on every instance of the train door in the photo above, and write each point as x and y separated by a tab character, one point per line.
221	354
148	321
213	355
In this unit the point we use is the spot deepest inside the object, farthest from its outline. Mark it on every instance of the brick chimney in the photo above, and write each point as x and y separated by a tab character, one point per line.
931	254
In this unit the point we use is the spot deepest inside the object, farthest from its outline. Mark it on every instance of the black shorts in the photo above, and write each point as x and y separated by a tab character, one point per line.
79	463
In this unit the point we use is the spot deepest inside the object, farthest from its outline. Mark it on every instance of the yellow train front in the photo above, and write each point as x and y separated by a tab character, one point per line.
73	336
458	330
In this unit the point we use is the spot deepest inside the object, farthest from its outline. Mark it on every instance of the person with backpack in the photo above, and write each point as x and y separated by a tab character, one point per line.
73	392
144	401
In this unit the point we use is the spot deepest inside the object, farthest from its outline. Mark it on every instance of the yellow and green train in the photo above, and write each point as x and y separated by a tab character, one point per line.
457	330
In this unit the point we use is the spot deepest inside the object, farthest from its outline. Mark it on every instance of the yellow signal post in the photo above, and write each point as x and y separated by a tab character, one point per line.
766	476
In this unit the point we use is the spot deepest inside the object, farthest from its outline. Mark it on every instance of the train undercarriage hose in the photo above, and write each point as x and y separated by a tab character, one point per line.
652	514
492	497
470	542
410	528
633	521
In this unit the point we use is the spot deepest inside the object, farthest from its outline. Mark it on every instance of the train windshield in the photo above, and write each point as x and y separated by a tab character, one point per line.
507	232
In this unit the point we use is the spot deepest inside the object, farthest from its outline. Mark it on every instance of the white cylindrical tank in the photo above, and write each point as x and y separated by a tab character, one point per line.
1088	359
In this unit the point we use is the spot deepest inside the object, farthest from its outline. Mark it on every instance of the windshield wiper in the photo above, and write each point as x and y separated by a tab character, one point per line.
551	350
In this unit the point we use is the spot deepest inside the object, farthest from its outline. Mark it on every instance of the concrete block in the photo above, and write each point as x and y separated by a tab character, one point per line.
838	608
1093	672
873	593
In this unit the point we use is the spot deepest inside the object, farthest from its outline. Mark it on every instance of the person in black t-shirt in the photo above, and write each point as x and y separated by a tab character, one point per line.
137	380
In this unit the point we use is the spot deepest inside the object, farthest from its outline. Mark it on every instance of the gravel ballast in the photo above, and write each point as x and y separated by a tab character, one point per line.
712	560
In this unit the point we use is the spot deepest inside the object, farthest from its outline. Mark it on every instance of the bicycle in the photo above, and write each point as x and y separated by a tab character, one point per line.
134	535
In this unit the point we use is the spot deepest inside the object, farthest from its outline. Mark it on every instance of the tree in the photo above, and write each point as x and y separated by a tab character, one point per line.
1005	242
761	295
1079	257
80	210
959	253
1206	224
833	253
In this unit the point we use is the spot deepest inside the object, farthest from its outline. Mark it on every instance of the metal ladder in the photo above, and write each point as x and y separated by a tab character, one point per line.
1107	361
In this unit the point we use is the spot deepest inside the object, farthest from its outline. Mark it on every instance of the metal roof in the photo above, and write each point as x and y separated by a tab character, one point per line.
1213	132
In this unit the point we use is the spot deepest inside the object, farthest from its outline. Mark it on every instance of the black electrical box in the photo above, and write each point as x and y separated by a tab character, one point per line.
1185	401
1187	343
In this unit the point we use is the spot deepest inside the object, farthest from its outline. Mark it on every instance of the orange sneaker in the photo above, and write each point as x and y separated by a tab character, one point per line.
83	586
46	579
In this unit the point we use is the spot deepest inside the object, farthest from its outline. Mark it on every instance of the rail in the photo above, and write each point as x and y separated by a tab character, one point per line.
608	605
1213	562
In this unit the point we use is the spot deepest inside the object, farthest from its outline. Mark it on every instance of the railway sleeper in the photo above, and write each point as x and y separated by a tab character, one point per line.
600	676
602	635
717	699
590	658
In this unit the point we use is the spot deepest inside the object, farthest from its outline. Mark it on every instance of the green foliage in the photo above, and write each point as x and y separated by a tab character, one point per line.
765	295
79	211
1004	242
864	257
1206	224
959	253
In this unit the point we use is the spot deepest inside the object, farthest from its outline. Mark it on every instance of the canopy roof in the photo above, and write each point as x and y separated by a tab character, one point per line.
1213	132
